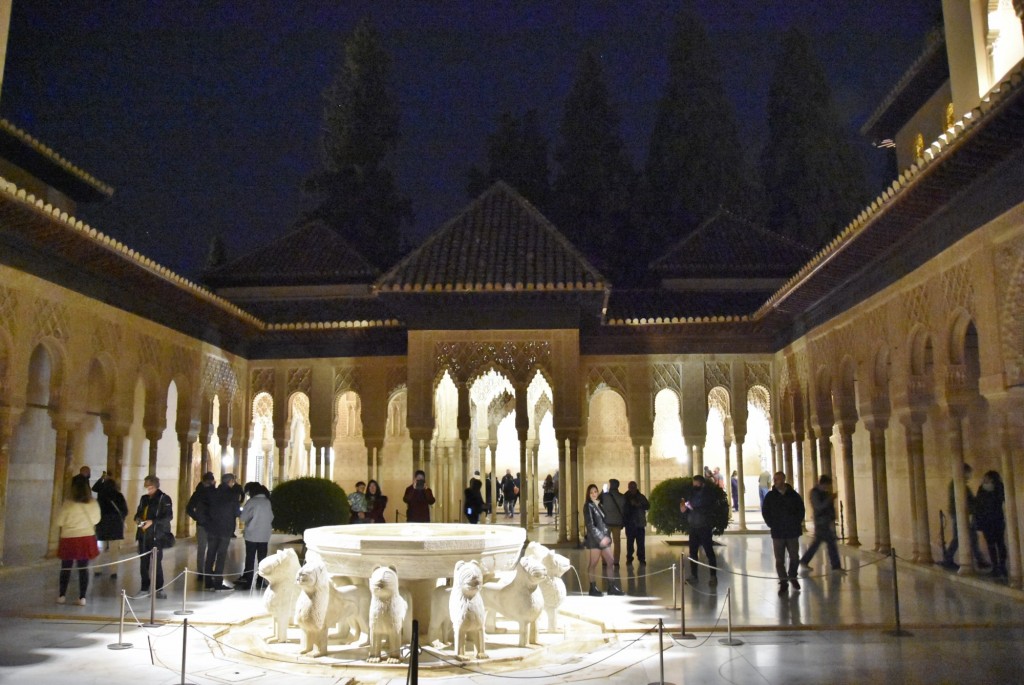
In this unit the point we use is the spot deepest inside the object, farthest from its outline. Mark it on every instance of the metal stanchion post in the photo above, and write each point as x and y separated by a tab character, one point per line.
414	654
121	644
661	654
898	632
728	608
153	561
683	635
674	598
184	643
183	611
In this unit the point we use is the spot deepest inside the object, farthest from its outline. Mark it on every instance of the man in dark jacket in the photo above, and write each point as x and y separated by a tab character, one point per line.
198	509
698	512
783	511
223	503
823	505
635	519
613	503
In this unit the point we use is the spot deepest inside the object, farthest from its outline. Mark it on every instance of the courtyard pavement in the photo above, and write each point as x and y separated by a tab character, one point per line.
835	629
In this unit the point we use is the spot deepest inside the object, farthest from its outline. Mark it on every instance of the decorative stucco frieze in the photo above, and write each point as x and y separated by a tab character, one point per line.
667	377
299	379
219	378
463	360
758	374
613	377
51	320
346	379
107	336
397	378
262	380
9	310
1009	261
717	374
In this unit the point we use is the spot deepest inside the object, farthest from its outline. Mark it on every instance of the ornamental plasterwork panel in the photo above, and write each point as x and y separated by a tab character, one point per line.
611	376
345	378
821	350
958	288
262	380
500	407
397	378
542	407
1010	279
759	397
218	376
51	320
916	306
844	343
462	359
184	362
299	379
758	373
8	310
150	351
107	337
718	398
717	374
667	377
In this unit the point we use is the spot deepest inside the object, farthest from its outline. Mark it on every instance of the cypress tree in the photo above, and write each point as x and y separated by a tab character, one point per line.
695	162
814	182
357	193
517	153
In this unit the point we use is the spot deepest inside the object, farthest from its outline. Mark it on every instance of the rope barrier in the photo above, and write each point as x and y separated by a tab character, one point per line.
742	574
294	660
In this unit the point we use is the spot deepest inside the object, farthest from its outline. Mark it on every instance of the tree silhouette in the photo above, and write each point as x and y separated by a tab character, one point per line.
595	179
356	188
517	153
695	161
814	182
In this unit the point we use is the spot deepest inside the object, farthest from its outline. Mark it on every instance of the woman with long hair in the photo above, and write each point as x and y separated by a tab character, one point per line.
376	503
77	520
598	541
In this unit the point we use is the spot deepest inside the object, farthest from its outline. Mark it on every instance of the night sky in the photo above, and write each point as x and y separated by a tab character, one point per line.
205	116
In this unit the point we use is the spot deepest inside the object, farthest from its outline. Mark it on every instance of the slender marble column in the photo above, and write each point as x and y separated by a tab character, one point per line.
1007	457
879	475
850	489
965	553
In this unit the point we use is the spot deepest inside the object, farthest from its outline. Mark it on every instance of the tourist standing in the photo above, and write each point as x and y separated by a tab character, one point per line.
474	501
223	518
613	503
698	510
764	484
735	483
549	494
508	494
598	541
783	511
357	504
823	505
418	498
154	515
950	556
991	520
113	512
198	509
635	519
376	503
77	521
257	518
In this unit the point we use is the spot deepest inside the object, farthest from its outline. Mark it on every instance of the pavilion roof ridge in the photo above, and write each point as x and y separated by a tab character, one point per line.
462	255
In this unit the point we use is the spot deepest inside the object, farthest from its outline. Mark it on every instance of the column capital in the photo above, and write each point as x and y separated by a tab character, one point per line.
875	422
912	417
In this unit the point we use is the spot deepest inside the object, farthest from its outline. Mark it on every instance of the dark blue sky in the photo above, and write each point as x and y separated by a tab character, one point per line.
205	116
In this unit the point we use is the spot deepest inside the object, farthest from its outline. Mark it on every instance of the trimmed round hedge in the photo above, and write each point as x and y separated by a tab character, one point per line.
665	515
308	503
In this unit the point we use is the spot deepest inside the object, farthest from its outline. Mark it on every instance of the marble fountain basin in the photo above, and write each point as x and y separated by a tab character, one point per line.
418	551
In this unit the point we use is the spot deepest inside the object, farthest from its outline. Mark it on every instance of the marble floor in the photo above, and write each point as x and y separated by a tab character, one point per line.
835	629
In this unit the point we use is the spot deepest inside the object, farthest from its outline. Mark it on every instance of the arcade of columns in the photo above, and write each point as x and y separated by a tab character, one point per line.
891	396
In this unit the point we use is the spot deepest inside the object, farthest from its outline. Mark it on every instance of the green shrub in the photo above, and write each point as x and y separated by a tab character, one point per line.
665	515
308	503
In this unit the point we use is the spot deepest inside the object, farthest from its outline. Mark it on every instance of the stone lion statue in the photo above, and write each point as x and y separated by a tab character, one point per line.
388	610
318	608
552	588
279	570
518	599
457	614
355	609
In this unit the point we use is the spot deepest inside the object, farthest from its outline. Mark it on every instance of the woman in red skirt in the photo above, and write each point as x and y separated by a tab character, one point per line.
77	520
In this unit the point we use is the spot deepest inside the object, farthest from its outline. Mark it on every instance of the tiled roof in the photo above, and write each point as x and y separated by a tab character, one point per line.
311	253
368	310
499	243
659	306
727	246
33	156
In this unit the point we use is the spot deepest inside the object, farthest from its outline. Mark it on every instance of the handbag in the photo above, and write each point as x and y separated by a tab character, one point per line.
165	539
